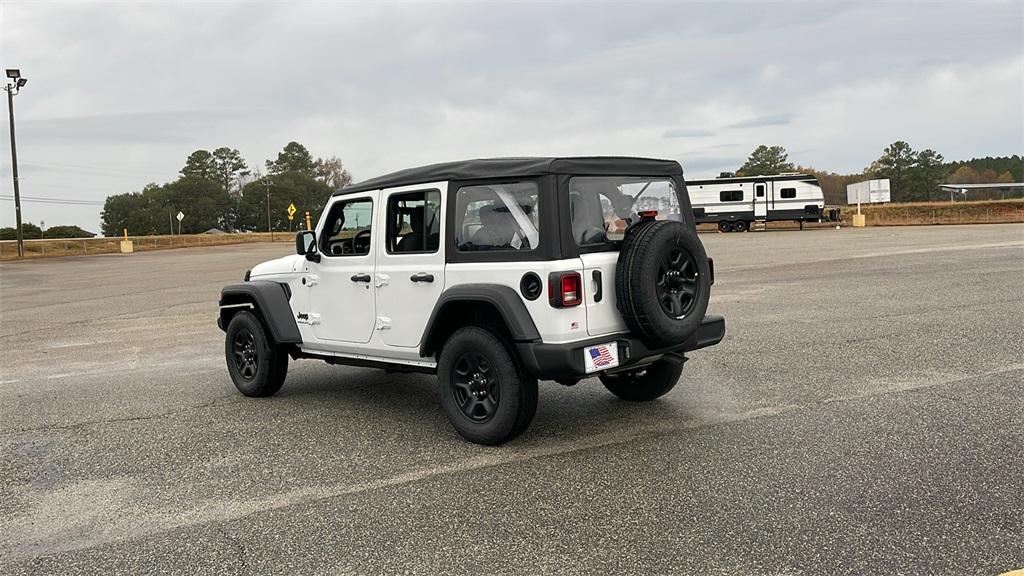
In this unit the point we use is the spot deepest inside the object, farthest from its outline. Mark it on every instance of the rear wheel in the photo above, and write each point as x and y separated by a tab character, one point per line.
485	394
257	366
724	226
740	226
646	383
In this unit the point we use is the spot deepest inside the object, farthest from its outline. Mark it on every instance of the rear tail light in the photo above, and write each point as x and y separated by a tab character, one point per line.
565	289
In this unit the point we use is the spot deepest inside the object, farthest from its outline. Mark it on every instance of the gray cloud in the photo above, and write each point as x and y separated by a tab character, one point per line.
710	165
687	133
769	120
129	90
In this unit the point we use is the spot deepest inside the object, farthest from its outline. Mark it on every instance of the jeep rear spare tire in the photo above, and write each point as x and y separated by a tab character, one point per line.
662	282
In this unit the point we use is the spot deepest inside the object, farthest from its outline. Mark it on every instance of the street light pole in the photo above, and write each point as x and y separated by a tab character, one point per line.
13	88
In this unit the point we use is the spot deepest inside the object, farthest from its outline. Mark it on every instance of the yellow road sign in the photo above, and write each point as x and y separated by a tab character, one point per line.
291	211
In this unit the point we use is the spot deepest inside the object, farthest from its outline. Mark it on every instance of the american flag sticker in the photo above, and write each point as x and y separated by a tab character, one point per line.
601	357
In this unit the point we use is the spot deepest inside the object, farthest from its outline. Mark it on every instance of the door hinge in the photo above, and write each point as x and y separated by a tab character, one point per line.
312	280
383	323
382	280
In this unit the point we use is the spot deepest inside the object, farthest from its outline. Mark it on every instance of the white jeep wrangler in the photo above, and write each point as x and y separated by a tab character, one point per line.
492	274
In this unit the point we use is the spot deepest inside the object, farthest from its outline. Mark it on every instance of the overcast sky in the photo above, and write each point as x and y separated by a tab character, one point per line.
120	93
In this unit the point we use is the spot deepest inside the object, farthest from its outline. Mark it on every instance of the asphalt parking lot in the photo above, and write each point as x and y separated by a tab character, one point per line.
865	414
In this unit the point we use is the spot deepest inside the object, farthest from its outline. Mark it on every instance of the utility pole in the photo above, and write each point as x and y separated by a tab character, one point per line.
12	88
266	184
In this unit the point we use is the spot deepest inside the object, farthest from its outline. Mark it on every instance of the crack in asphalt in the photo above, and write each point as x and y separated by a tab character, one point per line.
157	416
236	543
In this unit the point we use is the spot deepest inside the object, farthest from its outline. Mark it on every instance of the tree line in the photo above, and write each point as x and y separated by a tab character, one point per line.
31	232
217	190
914	175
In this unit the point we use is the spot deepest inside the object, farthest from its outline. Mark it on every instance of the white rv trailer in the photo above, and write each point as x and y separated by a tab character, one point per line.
735	203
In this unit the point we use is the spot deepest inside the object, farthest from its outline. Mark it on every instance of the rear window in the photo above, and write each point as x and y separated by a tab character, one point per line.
601	208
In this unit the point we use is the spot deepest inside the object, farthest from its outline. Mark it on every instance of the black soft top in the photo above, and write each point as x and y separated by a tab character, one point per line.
519	167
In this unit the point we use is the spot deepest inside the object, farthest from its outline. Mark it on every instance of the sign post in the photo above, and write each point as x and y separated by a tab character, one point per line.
870	191
308	225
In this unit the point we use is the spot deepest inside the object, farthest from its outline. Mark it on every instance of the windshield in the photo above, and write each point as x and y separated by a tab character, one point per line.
603	207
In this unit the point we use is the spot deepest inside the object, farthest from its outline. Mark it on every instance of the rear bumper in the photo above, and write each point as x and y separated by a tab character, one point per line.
565	361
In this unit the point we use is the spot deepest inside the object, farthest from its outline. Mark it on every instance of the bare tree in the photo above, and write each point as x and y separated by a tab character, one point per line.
332	172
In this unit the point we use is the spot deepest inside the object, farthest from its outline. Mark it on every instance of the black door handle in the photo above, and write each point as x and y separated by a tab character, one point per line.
360	278
599	292
422	277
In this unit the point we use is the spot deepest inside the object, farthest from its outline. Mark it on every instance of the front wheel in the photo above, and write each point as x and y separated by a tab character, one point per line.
646	383
484	393
257	366
725	226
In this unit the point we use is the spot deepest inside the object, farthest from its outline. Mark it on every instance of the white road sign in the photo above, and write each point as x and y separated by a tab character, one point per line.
868	192
181	215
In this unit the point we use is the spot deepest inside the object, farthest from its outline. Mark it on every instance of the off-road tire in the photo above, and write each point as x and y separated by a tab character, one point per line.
644	384
257	366
640	283
516	398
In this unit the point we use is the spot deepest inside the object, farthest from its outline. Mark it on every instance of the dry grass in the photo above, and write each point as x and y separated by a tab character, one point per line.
920	214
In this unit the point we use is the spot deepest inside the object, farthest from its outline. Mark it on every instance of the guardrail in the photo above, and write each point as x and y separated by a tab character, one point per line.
41	248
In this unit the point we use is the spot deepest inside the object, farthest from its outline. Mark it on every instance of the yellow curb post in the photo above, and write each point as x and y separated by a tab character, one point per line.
127	246
859	221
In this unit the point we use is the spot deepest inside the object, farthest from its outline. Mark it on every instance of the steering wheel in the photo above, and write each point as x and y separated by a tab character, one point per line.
356	240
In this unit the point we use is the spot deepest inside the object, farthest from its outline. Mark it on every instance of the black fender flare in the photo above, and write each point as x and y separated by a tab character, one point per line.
270	300
504	298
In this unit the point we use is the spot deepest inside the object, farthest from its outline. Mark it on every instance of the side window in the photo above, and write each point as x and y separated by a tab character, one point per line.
731	195
787	193
347	231
497	217
414	222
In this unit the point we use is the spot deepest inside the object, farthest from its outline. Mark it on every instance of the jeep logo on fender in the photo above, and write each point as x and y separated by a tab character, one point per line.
303	317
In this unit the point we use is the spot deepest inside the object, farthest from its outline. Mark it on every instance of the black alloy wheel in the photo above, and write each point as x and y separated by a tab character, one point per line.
256	364
724	226
246	355
486	395
677	287
475	387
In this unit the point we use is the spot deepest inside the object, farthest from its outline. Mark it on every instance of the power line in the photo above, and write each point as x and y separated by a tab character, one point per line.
81	168
42	200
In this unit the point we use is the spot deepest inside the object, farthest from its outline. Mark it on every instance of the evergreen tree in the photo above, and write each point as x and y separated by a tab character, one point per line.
766	160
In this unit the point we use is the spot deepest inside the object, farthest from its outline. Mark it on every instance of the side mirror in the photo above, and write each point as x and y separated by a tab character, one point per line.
305	245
